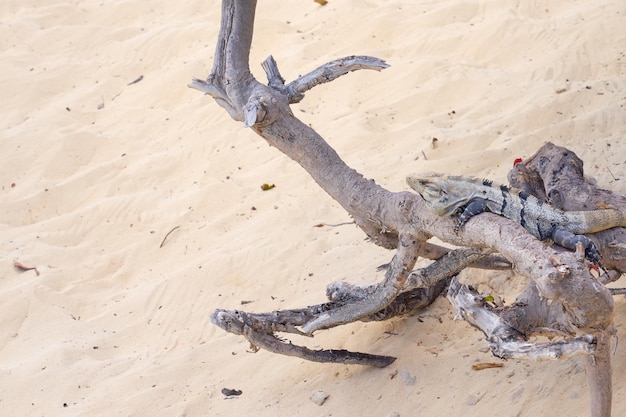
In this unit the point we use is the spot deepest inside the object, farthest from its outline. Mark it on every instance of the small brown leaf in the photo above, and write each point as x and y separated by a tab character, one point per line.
266	187
321	2
486	365
23	267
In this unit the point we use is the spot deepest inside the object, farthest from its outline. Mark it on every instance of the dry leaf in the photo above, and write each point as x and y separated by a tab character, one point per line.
486	365
23	267
231	392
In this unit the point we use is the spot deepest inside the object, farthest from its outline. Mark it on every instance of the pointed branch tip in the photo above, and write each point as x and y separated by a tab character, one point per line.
323	74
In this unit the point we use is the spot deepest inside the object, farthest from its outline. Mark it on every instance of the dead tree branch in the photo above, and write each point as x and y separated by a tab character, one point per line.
401	221
260	328
555	174
382	214
505	341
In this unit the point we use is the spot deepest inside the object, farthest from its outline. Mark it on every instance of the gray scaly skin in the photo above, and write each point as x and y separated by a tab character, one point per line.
447	195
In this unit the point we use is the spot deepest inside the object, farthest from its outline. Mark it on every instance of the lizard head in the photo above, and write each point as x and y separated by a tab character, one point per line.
435	189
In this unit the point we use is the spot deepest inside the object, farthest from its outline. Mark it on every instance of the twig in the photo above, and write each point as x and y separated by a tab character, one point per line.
136	80
333	225
168	233
611	172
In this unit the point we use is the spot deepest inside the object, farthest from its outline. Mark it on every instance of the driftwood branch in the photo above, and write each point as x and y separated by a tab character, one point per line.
328	72
397	273
260	328
505	341
562	295
261	335
555	175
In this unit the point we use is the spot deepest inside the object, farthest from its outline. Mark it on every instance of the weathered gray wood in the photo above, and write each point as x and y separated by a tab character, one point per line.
398	221
599	375
260	335
508	342
555	174
382	214
260	328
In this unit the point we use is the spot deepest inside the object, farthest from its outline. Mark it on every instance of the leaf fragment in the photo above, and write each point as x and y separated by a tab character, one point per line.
23	267
231	392
486	365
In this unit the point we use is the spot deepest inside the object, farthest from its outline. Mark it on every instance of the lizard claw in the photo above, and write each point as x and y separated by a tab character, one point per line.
458	224
593	255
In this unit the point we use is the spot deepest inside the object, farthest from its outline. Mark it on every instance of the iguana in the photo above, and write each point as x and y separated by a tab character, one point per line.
469	196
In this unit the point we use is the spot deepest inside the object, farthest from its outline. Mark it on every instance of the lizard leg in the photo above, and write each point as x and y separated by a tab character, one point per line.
569	240
474	207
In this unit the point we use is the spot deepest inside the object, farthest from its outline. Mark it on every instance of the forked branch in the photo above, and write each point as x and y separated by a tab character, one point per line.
326	73
260	328
400	221
505	341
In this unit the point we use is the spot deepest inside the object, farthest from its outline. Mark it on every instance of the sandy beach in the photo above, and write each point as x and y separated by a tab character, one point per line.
139	201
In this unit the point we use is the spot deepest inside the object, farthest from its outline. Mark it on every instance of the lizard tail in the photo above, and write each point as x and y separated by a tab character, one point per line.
596	220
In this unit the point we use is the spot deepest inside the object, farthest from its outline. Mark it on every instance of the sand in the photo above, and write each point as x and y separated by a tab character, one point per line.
96	170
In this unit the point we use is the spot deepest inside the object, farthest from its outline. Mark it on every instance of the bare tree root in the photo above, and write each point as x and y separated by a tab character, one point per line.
261	335
563	296
382	295
599	374
505	341
555	174
260	328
